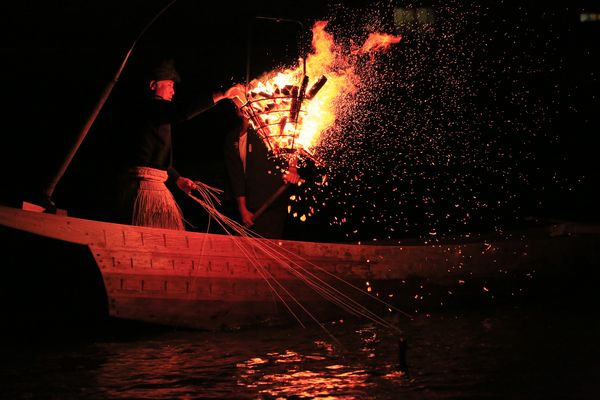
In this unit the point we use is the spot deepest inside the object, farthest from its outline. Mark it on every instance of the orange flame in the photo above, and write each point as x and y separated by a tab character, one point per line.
378	42
288	112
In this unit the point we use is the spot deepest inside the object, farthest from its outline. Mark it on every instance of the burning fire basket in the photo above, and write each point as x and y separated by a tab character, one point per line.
275	106
285	107
276	113
276	109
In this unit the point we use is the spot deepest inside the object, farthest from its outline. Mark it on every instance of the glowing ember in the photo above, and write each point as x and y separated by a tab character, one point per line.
291	109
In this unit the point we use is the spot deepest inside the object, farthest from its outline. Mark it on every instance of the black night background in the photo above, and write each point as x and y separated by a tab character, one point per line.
481	120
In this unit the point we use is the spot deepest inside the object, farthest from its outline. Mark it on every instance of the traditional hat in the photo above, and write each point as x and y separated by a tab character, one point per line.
165	71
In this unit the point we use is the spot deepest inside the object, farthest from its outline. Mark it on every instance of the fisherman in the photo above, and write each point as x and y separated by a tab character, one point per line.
255	175
145	198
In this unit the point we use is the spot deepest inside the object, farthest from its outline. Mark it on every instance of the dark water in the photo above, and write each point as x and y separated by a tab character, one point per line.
539	349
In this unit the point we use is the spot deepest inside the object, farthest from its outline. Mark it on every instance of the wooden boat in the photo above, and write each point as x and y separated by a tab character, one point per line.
212	281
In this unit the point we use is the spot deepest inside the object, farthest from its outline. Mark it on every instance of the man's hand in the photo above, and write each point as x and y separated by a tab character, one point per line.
291	176
185	184
247	217
237	90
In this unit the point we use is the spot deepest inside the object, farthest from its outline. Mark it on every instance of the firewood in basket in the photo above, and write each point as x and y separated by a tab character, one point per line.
316	87
297	100
282	123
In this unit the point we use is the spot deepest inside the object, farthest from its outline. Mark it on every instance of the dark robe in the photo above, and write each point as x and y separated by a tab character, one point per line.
150	141
261	179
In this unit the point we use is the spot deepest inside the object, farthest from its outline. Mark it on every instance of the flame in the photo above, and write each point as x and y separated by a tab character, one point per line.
378	42
291	111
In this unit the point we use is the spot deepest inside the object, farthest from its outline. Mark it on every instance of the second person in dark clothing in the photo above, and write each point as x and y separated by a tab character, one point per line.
255	175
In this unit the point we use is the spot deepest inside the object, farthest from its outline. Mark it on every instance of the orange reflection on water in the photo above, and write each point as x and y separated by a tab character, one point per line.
295	376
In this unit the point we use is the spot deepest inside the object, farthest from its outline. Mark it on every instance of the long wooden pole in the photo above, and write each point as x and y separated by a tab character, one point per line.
49	190
270	200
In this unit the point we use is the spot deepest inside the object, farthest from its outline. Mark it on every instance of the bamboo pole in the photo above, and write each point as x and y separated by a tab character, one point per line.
49	190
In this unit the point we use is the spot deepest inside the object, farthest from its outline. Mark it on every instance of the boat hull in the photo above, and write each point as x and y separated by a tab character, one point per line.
210	281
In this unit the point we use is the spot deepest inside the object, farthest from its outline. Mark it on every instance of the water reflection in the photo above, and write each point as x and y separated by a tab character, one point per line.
317	372
290	374
183	365
170	367
506	353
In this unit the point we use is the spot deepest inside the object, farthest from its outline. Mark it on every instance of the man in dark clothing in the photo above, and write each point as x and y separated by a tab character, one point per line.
146	200
254	176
